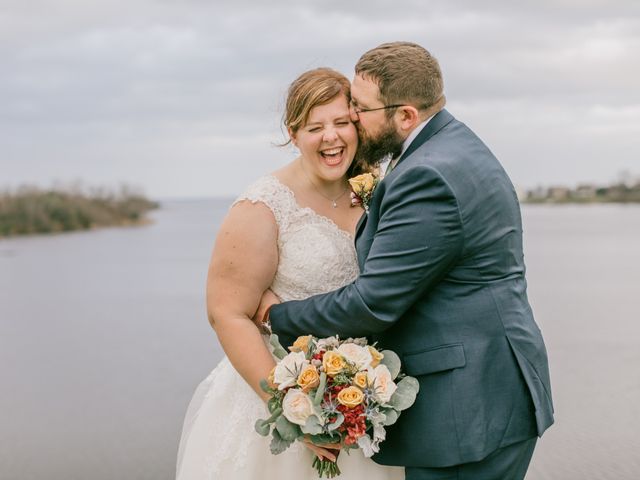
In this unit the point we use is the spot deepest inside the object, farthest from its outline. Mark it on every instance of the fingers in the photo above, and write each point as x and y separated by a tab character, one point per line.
262	313
332	446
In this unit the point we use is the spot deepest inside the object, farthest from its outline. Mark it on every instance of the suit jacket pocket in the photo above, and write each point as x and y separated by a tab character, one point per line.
435	359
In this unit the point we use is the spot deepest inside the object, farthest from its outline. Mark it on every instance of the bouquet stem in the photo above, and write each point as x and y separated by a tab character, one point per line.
327	467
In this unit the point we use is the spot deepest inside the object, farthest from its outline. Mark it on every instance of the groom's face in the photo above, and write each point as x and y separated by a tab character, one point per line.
378	133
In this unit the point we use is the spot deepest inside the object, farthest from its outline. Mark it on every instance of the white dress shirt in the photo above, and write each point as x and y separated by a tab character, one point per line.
412	136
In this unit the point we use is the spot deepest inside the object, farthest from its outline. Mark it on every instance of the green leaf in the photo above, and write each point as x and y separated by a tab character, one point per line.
262	427
312	426
287	430
392	362
265	386
309	348
273	404
278	444
334	426
391	417
341	379
325	438
406	393
276	348
320	391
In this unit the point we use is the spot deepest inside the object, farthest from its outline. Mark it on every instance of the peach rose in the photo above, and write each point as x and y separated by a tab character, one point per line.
362	184
351	397
333	363
308	378
301	344
382	383
297	406
360	380
376	356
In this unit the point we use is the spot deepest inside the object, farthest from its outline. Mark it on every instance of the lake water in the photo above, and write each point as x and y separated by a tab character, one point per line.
103	338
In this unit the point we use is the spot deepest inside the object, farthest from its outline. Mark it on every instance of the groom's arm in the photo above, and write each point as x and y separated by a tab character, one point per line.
418	238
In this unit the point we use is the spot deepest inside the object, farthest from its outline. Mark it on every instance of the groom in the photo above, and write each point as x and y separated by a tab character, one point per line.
442	282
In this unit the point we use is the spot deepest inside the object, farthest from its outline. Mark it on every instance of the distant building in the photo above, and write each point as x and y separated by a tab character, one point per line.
585	192
538	194
626	190
559	193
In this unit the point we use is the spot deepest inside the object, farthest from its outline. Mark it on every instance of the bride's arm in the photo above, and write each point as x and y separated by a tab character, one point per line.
243	264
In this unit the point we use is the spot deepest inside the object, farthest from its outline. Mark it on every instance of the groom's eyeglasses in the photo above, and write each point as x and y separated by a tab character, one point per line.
358	110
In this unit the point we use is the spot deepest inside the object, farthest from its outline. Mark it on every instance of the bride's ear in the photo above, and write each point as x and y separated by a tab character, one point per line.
292	137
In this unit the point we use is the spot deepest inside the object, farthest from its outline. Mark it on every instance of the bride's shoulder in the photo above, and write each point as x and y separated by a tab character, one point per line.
269	191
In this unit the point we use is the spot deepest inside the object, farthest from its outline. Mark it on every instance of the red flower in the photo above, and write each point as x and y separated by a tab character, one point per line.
319	355
354	424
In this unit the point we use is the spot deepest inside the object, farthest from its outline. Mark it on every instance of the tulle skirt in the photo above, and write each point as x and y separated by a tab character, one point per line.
219	441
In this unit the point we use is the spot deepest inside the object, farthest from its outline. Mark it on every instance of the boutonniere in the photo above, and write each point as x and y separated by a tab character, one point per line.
362	188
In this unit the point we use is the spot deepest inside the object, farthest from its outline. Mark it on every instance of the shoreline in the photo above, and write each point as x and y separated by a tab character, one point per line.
32	211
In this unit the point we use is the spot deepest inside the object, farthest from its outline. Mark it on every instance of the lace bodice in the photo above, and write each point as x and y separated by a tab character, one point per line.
315	255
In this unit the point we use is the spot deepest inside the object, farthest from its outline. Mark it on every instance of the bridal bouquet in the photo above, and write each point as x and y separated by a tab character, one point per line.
327	390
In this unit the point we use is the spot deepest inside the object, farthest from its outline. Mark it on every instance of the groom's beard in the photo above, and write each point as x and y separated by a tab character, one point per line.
371	150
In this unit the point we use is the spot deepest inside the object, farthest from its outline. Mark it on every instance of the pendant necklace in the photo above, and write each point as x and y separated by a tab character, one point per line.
334	201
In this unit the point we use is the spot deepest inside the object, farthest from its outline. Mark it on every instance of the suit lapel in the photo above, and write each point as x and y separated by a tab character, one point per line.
439	120
360	226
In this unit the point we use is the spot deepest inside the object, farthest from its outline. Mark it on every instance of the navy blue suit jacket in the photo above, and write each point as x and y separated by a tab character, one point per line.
442	284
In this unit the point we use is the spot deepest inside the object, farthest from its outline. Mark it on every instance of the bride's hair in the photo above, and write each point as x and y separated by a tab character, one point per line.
315	87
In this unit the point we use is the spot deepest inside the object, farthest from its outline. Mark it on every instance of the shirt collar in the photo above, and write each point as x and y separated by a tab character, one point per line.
412	136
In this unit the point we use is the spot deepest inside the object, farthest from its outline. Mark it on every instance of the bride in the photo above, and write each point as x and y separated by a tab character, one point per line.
291	231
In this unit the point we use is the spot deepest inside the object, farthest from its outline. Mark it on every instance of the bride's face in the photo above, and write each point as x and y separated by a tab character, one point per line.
328	141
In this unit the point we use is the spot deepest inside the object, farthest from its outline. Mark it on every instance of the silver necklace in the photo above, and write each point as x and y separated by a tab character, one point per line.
334	201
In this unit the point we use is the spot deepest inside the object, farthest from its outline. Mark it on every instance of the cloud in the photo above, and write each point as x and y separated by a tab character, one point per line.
193	91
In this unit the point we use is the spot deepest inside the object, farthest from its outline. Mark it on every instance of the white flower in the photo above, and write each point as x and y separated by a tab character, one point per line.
288	369
362	341
383	384
359	356
379	434
327	343
297	406
368	447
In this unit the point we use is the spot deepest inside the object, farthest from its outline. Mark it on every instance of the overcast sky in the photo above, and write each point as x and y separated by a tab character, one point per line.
184	97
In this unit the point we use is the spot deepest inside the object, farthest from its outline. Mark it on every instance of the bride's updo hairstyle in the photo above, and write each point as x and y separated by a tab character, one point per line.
315	87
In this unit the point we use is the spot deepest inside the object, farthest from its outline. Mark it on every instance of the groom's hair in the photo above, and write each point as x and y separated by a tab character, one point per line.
405	73
314	87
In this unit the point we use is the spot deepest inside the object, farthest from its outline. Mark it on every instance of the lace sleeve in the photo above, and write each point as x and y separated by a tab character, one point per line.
269	190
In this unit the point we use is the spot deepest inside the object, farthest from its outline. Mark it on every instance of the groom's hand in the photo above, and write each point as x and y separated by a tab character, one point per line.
261	317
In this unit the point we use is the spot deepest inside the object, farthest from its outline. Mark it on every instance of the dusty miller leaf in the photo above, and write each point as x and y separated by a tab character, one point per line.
405	395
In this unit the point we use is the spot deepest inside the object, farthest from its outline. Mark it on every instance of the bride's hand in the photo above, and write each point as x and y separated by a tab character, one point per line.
261	317
323	452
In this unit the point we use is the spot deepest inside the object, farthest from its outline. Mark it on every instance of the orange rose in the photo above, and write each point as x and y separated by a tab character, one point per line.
308	378
351	397
301	344
333	363
376	355
360	380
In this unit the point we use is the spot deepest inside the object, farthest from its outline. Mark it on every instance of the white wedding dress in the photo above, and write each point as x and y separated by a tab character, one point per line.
218	439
